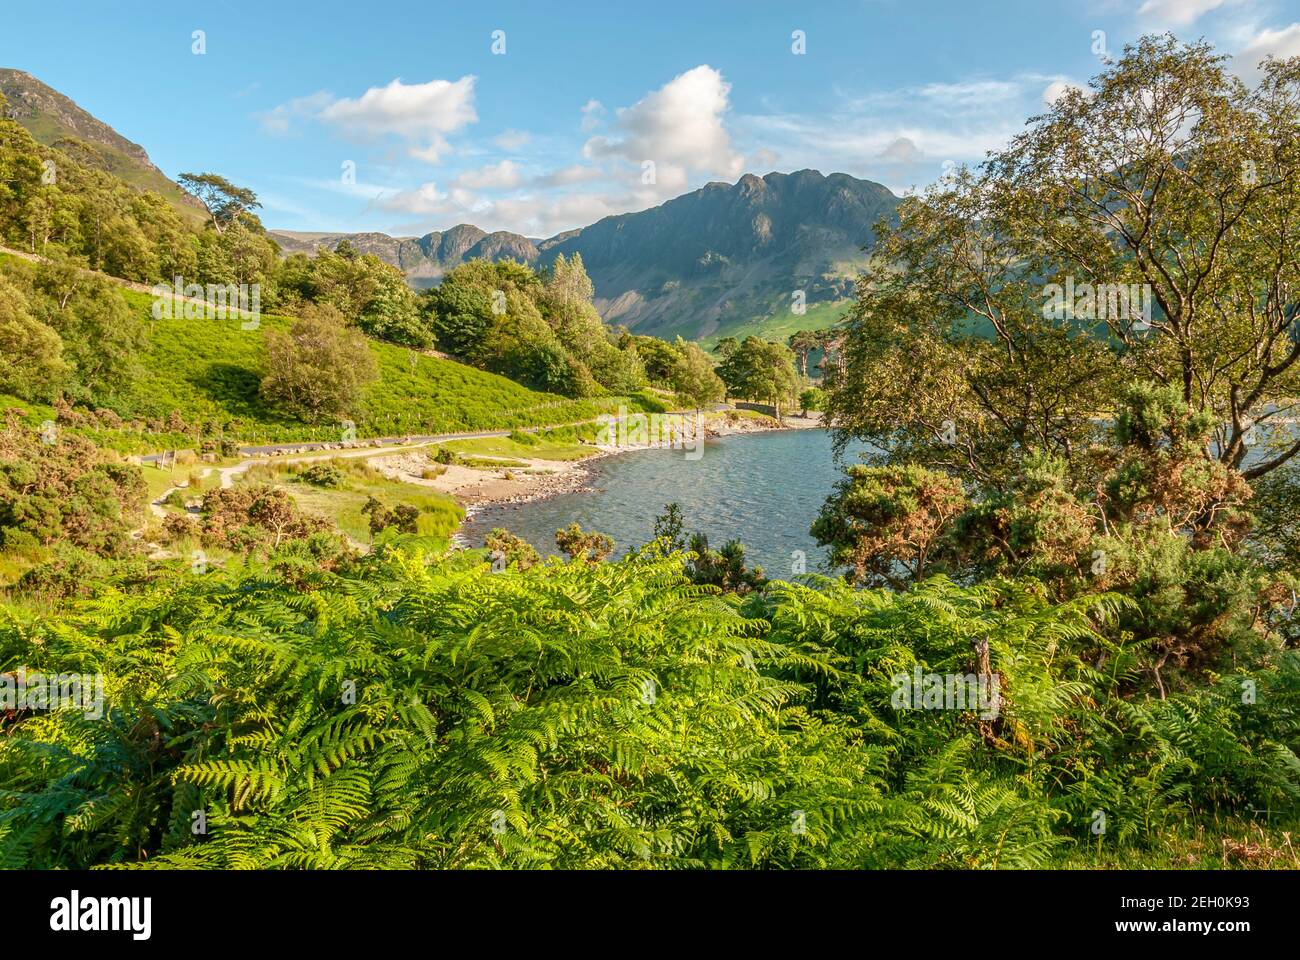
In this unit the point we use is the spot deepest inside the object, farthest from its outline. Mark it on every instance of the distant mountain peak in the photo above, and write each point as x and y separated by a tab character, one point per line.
725	257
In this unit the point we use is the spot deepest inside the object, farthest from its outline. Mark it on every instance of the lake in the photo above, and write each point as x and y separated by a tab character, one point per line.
764	489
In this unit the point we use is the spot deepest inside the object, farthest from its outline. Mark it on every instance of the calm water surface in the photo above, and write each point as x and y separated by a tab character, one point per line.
764	489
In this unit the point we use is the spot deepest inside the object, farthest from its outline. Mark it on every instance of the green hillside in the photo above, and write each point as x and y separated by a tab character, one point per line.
55	121
208	373
210	370
781	321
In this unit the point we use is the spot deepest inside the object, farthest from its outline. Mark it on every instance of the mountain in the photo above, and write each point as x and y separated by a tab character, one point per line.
423	259
720	259
54	120
725	259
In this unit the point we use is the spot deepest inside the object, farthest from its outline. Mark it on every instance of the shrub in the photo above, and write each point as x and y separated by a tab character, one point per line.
322	475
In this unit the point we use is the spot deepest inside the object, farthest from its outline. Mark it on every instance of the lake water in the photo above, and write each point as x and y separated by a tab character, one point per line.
764	489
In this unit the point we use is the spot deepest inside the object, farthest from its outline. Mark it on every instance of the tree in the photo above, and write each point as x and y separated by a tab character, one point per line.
508	550
659	358
814	398
723	568
392	311
404	518
803	342
224	201
65	491
320	368
102	336
565	301
254	516
761	370
1135	231
693	376
33	368
541	331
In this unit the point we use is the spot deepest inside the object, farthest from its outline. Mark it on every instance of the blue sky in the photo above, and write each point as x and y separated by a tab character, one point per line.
400	116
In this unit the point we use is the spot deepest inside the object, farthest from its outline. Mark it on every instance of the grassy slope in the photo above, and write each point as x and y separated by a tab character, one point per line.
48	131
781	322
210	370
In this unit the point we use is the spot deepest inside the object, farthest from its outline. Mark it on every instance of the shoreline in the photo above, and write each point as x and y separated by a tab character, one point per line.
531	480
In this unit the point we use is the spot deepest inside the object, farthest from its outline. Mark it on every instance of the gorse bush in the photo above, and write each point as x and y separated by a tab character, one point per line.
56	489
416	710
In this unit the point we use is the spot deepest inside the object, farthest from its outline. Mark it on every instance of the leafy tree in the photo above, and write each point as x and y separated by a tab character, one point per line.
89	213
403	518
814	398
368	292
668	527
392	312
254	516
33	367
472	299
319	368
693	376
102	337
961	317
803	342
761	370
225	202
659	358
723	568
1105	380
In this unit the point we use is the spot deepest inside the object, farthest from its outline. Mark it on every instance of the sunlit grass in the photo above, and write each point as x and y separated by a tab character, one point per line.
440	515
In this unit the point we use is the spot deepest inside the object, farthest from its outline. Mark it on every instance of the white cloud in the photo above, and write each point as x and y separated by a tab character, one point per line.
971	93
1278	43
424	200
537	216
497	176
592	111
568	176
280	120
885	148
512	140
357	189
530	215
679	127
1178	13
906	136
421	113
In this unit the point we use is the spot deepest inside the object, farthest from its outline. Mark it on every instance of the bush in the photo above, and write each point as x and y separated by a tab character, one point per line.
403	518
322	475
65	491
255	516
